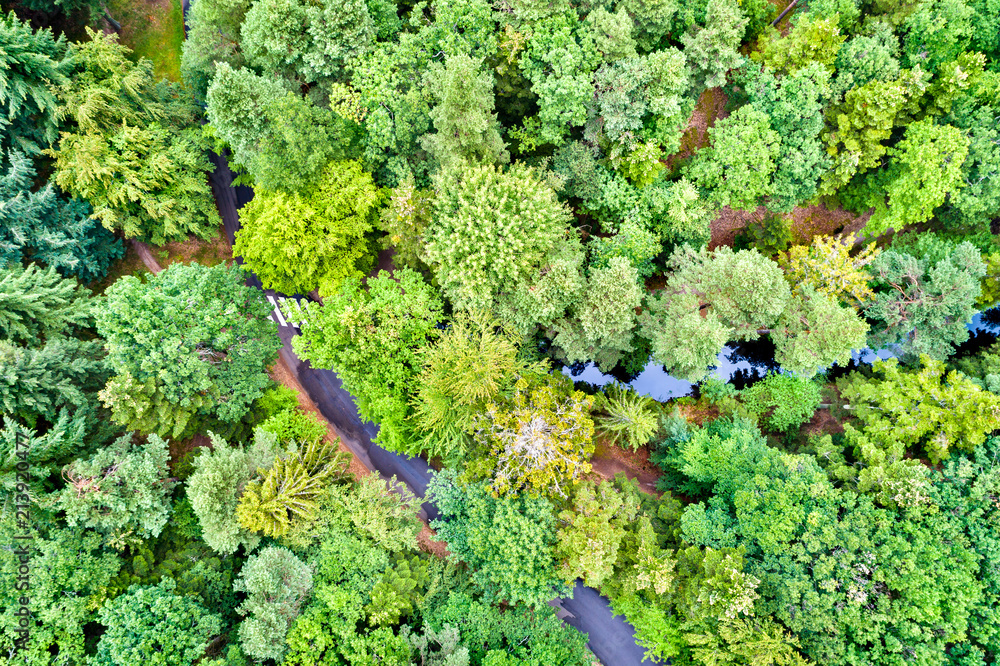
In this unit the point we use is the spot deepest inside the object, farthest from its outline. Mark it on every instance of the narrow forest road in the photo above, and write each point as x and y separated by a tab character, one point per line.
611	638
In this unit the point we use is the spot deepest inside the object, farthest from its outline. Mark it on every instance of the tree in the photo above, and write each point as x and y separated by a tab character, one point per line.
213	32
122	492
941	410
39	303
736	169
306	41
858	126
282	140
978	202
48	228
592	531
815	331
923	305
467	128
827	266
600	327
195	336
298	242
154	625
794	105
539	442
220	476
491	231
507	542
866	57
276	583
811	40
612	33
32	60
782	402
287	492
652	21
630	418
474	362
711	50
135	156
70	573
370	339
927	167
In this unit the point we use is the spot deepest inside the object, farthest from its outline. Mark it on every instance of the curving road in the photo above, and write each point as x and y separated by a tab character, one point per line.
610	637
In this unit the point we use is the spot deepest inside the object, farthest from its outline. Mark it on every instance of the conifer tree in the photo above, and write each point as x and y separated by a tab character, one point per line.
38	304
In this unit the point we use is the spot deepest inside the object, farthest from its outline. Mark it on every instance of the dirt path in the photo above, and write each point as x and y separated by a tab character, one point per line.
146	255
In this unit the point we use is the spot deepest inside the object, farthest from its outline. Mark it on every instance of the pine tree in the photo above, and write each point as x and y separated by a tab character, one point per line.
289	490
48	228
31	62
38	382
36	303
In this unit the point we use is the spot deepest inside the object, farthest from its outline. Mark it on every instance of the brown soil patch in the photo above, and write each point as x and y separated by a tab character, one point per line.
180	448
281	373
427	540
130	264
710	107
822	423
609	460
195	250
698	413
807	221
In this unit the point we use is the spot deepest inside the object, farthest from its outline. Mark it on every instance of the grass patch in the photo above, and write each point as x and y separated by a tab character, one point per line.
153	29
194	250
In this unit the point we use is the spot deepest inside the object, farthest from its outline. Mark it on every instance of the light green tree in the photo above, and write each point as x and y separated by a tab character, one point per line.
491	231
466	127
370	338
811	40
220	476
737	167
277	584
815	332
314	239
711	50
591	532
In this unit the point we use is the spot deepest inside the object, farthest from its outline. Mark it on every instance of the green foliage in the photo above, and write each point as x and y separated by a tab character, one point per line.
404	221
221	343
398	591
134	157
538	442
937	32
32	61
276	584
633	242
711	50
491	231
306	41
69	574
282	140
858	126
923	301
928	165
298	242
782	402
155	626
40	304
794	105
600	324
811	40
467	128
507	542
287	492
940	410
123	491
736	169
867	57
370	338
474	362
744	292
630	418
828	266
213	32
815	331
47	228
220	476
295	425
770	236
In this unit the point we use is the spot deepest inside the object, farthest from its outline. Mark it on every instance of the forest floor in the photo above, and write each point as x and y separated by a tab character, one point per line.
153	29
205	252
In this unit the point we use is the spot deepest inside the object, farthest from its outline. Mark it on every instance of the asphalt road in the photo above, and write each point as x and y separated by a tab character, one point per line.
611	638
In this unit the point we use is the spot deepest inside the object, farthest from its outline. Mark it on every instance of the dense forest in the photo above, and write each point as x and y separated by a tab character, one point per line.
474	201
